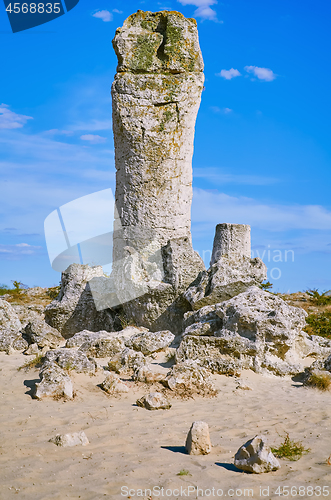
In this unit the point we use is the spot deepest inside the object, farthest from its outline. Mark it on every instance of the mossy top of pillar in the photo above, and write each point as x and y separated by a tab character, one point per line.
158	42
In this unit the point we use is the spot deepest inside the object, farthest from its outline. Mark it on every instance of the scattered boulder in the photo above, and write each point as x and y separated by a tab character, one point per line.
39	332
198	439
68	440
148	375
127	361
29	312
103	347
32	349
113	384
225	279
189	378
154	401
257	330
55	383
149	342
71	359
10	329
256	456
67	313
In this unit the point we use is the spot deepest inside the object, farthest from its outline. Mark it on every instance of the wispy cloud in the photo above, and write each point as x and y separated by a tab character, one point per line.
264	74
211	208
219	177
228	74
224	111
204	10
117	11
11	120
9	251
105	15
93	139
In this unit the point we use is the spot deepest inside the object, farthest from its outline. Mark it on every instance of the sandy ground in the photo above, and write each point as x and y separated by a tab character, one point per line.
133	448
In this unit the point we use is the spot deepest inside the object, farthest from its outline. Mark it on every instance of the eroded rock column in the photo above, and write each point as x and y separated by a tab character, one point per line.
156	95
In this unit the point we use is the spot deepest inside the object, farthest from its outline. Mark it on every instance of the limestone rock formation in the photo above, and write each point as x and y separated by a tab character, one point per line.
113	385
149	374
154	401
126	362
102	347
189	378
156	95
39	332
69	440
55	382
232	241
10	329
255	329
149	342
71	359
231	272
256	456
74	309
198	439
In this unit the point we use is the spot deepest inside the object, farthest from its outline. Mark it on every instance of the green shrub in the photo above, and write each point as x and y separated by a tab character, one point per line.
4	289
290	449
266	286
319	324
322	382
320	299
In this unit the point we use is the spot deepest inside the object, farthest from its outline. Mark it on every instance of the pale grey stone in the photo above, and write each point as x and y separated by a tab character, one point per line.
55	382
154	401
69	440
10	329
39	332
256	456
149	342
232	241
102	347
149	374
189	378
29	312
67	313
156	95
71	359
256	330
127	361
113	385
198	439
225	279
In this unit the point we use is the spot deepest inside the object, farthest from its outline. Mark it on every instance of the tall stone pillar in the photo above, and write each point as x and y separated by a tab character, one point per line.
156	96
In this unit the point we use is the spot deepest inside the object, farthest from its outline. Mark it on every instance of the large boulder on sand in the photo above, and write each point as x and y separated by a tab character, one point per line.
39	332
55	382
71	359
10	326
225	279
74	309
149	342
256	456
257	330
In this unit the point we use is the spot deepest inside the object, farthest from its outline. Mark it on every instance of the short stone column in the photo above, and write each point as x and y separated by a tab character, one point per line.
231	240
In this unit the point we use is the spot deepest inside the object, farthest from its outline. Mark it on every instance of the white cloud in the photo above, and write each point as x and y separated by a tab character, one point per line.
211	208
264	74
93	139
117	11
225	111
217	176
105	15
228	74
19	249
10	120
203	11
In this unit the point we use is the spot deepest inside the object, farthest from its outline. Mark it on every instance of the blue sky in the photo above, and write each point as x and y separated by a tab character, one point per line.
262	145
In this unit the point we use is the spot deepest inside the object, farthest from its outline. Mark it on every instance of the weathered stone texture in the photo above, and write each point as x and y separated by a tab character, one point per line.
156	95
